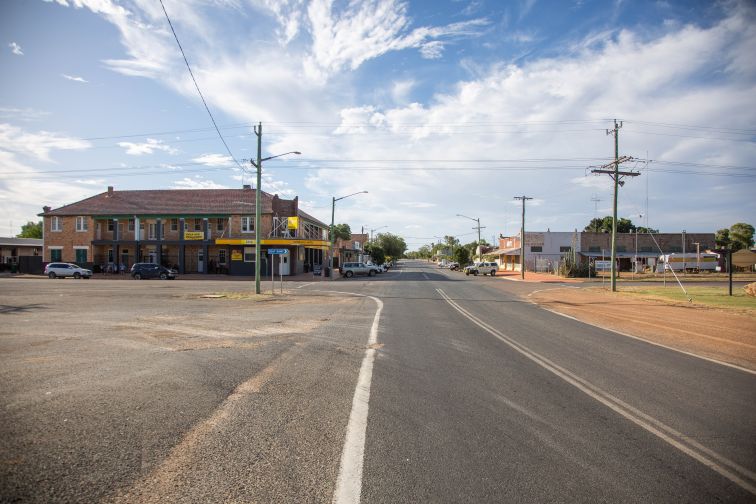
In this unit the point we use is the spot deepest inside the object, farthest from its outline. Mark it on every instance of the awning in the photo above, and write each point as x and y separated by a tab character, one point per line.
622	255
507	251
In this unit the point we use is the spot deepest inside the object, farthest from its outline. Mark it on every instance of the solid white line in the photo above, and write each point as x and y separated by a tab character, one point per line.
664	432
305	285
627	335
349	482
426	276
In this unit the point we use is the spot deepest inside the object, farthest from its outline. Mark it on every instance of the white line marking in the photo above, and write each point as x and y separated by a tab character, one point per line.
426	276
678	440
305	285
710	359
349	482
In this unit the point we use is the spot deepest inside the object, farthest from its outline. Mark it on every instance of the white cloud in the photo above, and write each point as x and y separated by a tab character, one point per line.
417	204
400	90
74	78
197	182
432	50
214	160
37	145
148	147
19	114
16	49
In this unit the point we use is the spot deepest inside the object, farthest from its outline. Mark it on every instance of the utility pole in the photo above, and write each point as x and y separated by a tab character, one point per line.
595	200
258	207
522	236
613	170
478	227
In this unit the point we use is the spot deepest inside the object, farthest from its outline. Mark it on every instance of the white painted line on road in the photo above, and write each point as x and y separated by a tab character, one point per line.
426	276
305	285
678	350
349	482
739	475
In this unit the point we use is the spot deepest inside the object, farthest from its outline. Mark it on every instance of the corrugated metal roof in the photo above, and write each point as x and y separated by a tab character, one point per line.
20	242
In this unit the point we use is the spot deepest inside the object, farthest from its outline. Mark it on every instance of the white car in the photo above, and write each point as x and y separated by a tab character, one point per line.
62	270
482	268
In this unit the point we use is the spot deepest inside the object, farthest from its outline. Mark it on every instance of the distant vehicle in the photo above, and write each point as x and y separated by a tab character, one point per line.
62	270
453	266
149	270
351	269
706	261
482	268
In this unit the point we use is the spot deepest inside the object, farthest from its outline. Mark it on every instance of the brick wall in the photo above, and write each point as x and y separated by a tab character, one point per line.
67	238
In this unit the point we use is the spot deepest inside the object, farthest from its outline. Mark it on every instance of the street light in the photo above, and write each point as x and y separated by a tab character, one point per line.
480	248
258	206
333	213
376	229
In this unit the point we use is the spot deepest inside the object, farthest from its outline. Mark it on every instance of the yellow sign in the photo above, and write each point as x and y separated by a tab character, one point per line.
194	235
275	241
293	223
236	255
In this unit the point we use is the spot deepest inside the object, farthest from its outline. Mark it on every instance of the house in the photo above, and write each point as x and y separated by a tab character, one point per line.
352	250
193	230
543	250
21	254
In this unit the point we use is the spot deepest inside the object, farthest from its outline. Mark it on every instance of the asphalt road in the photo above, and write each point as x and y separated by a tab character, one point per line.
145	392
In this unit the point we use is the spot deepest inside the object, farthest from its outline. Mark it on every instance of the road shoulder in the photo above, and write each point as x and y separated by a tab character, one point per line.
720	335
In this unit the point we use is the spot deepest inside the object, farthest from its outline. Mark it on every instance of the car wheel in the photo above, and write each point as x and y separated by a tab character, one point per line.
467	273
137	276
163	276
475	273
52	275
493	272
348	274
371	273
77	275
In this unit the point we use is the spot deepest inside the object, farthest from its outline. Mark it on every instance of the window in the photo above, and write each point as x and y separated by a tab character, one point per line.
565	249
110	225
110	255
675	248
174	224
621	248
198	224
248	224
645	249
536	248
81	256
219	224
131	224
356	245
594	248
249	254
56	254
81	224
56	224
222	256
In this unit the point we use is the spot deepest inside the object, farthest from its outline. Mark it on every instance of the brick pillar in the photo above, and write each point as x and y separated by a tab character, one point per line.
181	246
204	246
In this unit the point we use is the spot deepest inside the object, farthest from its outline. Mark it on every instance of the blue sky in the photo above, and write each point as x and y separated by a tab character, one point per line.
435	108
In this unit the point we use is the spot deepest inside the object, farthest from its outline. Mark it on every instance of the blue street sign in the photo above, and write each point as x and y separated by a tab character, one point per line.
277	251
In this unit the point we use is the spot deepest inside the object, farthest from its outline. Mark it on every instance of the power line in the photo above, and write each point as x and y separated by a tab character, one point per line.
198	88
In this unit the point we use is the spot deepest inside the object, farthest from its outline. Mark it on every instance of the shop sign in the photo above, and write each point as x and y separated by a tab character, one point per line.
292	223
194	235
236	255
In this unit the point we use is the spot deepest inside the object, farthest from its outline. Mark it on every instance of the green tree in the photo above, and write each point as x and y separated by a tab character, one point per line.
342	231
604	225
31	230
376	253
425	252
461	256
741	236
722	238
393	246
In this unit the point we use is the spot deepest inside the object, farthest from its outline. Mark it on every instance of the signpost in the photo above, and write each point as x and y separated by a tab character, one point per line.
274	253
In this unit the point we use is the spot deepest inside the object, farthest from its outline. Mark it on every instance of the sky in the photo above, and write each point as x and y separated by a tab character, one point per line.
436	108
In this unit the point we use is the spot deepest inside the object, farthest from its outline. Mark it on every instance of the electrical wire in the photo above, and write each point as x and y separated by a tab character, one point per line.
198	88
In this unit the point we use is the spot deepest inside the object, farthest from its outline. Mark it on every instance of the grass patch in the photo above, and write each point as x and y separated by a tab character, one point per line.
715	297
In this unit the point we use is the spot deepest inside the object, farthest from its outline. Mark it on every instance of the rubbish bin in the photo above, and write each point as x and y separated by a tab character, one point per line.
14	268
327	271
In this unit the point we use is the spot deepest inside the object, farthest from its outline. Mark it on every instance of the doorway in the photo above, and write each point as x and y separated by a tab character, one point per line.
201	261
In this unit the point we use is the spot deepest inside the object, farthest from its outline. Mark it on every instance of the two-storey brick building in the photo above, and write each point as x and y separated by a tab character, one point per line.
193	230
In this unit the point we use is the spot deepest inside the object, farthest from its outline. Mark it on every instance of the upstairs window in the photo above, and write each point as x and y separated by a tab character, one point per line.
565	249
131	224
110	224
198	224
56	225
219	224
594	248
174	224
248	224
536	248
81	224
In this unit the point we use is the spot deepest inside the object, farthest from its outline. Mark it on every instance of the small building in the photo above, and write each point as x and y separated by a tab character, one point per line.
543	250
192	230
21	254
352	250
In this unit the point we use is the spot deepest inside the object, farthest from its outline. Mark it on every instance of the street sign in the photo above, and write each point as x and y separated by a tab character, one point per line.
277	251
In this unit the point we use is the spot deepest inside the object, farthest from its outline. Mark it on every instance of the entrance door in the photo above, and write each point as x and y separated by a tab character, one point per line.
201	261
153	256
283	266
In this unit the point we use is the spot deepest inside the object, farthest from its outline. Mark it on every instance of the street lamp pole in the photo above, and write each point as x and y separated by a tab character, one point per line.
478	227
258	200
376	229
333	214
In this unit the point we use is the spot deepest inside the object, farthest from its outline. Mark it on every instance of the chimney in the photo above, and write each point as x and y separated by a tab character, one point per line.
247	187
110	190
46	209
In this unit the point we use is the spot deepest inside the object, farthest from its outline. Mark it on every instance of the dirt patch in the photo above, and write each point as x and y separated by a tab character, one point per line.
718	334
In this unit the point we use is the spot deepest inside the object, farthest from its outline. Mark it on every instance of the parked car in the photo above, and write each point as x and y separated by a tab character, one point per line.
453	266
482	268
350	269
62	270
149	270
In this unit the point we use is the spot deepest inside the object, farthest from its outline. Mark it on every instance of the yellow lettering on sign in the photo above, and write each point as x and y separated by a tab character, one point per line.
236	255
